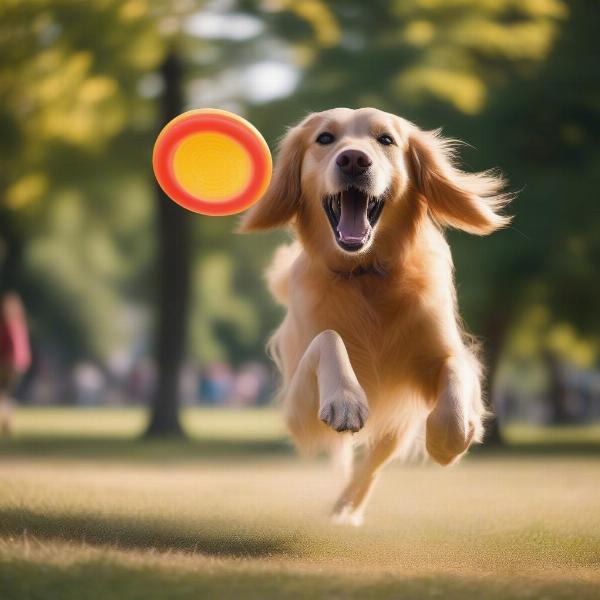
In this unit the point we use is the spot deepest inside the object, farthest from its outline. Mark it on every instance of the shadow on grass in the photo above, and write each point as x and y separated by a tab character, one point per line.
188	450
101	579
216	539
170	449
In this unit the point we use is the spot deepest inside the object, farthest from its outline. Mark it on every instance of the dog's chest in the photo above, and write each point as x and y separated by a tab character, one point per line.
375	323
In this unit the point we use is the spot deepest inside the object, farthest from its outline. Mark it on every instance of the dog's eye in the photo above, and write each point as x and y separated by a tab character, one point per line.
325	138
385	140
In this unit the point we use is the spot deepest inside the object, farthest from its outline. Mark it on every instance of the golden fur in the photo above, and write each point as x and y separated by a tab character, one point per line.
371	340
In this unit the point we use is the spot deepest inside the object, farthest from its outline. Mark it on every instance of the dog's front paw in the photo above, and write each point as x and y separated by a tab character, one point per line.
347	410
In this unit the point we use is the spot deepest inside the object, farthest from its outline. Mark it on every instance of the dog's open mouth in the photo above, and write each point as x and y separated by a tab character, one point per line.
353	215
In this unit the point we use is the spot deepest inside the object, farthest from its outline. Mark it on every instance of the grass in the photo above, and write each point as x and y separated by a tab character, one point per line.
558	436
88	510
115	434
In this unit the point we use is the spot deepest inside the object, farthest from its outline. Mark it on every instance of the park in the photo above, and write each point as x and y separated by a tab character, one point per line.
143	447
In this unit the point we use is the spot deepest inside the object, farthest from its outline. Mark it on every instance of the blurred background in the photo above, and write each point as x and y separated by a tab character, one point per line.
130	300
143	452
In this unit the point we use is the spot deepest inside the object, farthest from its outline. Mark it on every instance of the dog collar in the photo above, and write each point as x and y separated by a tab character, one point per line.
359	272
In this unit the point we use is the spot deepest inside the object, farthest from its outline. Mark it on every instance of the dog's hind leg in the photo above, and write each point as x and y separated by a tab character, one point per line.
342	458
351	504
324	396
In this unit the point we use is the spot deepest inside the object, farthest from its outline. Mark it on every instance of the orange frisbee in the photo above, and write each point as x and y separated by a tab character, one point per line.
212	162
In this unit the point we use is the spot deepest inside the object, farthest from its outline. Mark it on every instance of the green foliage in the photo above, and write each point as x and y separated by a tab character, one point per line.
410	53
69	77
224	322
518	80
544	127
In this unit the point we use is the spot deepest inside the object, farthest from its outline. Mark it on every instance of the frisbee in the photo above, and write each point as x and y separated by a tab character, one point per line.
212	162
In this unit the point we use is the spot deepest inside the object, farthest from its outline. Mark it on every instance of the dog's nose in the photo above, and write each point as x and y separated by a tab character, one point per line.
353	162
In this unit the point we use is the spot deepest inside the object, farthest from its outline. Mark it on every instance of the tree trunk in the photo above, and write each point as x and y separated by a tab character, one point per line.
493	342
11	251
173	280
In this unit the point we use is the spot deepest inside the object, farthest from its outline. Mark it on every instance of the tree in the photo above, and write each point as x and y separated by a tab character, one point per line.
67	95
173	277
544	124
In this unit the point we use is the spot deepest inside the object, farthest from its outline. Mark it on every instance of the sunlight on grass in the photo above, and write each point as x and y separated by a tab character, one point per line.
221	423
558	434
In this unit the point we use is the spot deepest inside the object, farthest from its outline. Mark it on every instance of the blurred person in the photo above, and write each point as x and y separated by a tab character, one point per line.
217	384
15	353
188	384
48	380
250	384
140	380
116	370
89	384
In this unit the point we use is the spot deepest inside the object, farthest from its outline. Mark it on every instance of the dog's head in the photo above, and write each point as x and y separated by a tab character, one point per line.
348	178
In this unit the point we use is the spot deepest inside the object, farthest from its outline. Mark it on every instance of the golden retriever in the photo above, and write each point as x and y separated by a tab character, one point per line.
371	343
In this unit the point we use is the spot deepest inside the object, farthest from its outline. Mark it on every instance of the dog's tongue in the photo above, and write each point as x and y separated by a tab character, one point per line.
354	224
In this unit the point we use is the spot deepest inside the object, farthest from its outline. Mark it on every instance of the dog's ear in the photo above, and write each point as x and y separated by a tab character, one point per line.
282	199
467	201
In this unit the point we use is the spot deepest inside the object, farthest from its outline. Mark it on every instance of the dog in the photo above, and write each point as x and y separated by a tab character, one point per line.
372	344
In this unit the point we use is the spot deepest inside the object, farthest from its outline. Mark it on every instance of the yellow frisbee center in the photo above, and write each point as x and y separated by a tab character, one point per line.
212	166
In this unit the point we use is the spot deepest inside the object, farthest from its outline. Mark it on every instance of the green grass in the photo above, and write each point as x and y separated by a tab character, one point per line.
115	434
558	436
88	510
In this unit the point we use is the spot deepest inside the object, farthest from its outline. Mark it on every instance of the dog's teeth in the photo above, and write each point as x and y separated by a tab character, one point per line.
336	206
